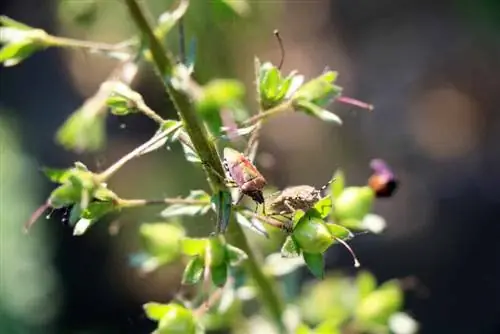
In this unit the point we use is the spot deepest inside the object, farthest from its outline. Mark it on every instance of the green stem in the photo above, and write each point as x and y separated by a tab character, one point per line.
134	203
208	154
280	108
79	44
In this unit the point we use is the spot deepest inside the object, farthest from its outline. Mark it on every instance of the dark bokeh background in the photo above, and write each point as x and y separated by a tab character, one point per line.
431	68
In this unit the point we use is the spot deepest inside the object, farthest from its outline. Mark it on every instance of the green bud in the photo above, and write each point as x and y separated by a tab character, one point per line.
177	320
354	203
312	235
380	304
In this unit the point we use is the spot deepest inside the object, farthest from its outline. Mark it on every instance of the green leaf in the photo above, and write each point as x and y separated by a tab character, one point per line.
253	224
156	311
222	201
338	185
84	130
240	7
379	305
276	265
104	194
313	109
366	283
12	54
290	248
97	210
57	175
315	263
328	327
269	85
235	255
319	91
64	195
189	209
168	131
303	329
8	22
162	240
75	214
219	274
193	272
193	246
120	106
218	250
324	206
339	231
176	320
217	95
354	203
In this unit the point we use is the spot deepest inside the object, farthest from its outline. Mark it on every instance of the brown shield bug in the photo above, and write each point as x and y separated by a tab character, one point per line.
294	198
244	174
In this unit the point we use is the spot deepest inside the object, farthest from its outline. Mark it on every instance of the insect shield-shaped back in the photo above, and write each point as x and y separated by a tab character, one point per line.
244	174
295	198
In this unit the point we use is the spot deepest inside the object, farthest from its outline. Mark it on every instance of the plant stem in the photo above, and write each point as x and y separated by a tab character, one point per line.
143	108
79	44
134	203
280	108
208	154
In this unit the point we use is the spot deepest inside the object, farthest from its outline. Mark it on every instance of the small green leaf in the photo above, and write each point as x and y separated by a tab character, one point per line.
303	329
313	109
218	250
104	194
269	85
64	195
240	7
222	202
84	130
253	224
328	326
315	263
290	248
97	210
194	270
219	274
235	255
189	209
379	305
120	106
276	265
75	214
193	246
162	240
339	231
366	283
177	320
82	226
156	311
338	185
324	206
57	175
14	53
319	91
8	22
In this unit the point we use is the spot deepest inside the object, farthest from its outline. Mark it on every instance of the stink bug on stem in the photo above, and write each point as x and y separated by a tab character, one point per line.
244	175
296	198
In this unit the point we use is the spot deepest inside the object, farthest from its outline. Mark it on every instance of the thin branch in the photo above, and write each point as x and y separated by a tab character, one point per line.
281	108
134	203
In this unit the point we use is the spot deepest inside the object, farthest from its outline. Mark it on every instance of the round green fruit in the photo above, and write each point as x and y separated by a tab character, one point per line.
312	235
354	203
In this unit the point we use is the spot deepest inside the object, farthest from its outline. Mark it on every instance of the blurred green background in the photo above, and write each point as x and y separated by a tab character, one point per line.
429	67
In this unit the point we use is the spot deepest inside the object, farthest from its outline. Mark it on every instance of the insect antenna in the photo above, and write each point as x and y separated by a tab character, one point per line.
323	188
346	245
282	48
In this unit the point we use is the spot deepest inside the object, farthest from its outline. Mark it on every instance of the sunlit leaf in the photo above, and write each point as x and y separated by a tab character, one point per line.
312	109
222	202
156	311
162	240
290	248
189	209
338	185
315	263
194	270
253	224
324	206
193	246
339	231
366	283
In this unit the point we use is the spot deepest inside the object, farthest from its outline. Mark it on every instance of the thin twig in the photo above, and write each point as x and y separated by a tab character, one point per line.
133	203
283	107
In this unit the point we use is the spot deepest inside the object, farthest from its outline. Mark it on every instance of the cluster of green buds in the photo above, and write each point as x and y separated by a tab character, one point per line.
359	303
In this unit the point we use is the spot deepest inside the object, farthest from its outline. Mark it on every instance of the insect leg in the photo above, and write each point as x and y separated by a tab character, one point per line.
289	206
228	182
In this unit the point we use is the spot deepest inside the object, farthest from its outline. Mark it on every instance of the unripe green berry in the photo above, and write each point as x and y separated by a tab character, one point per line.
177	320
354	203
312	235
